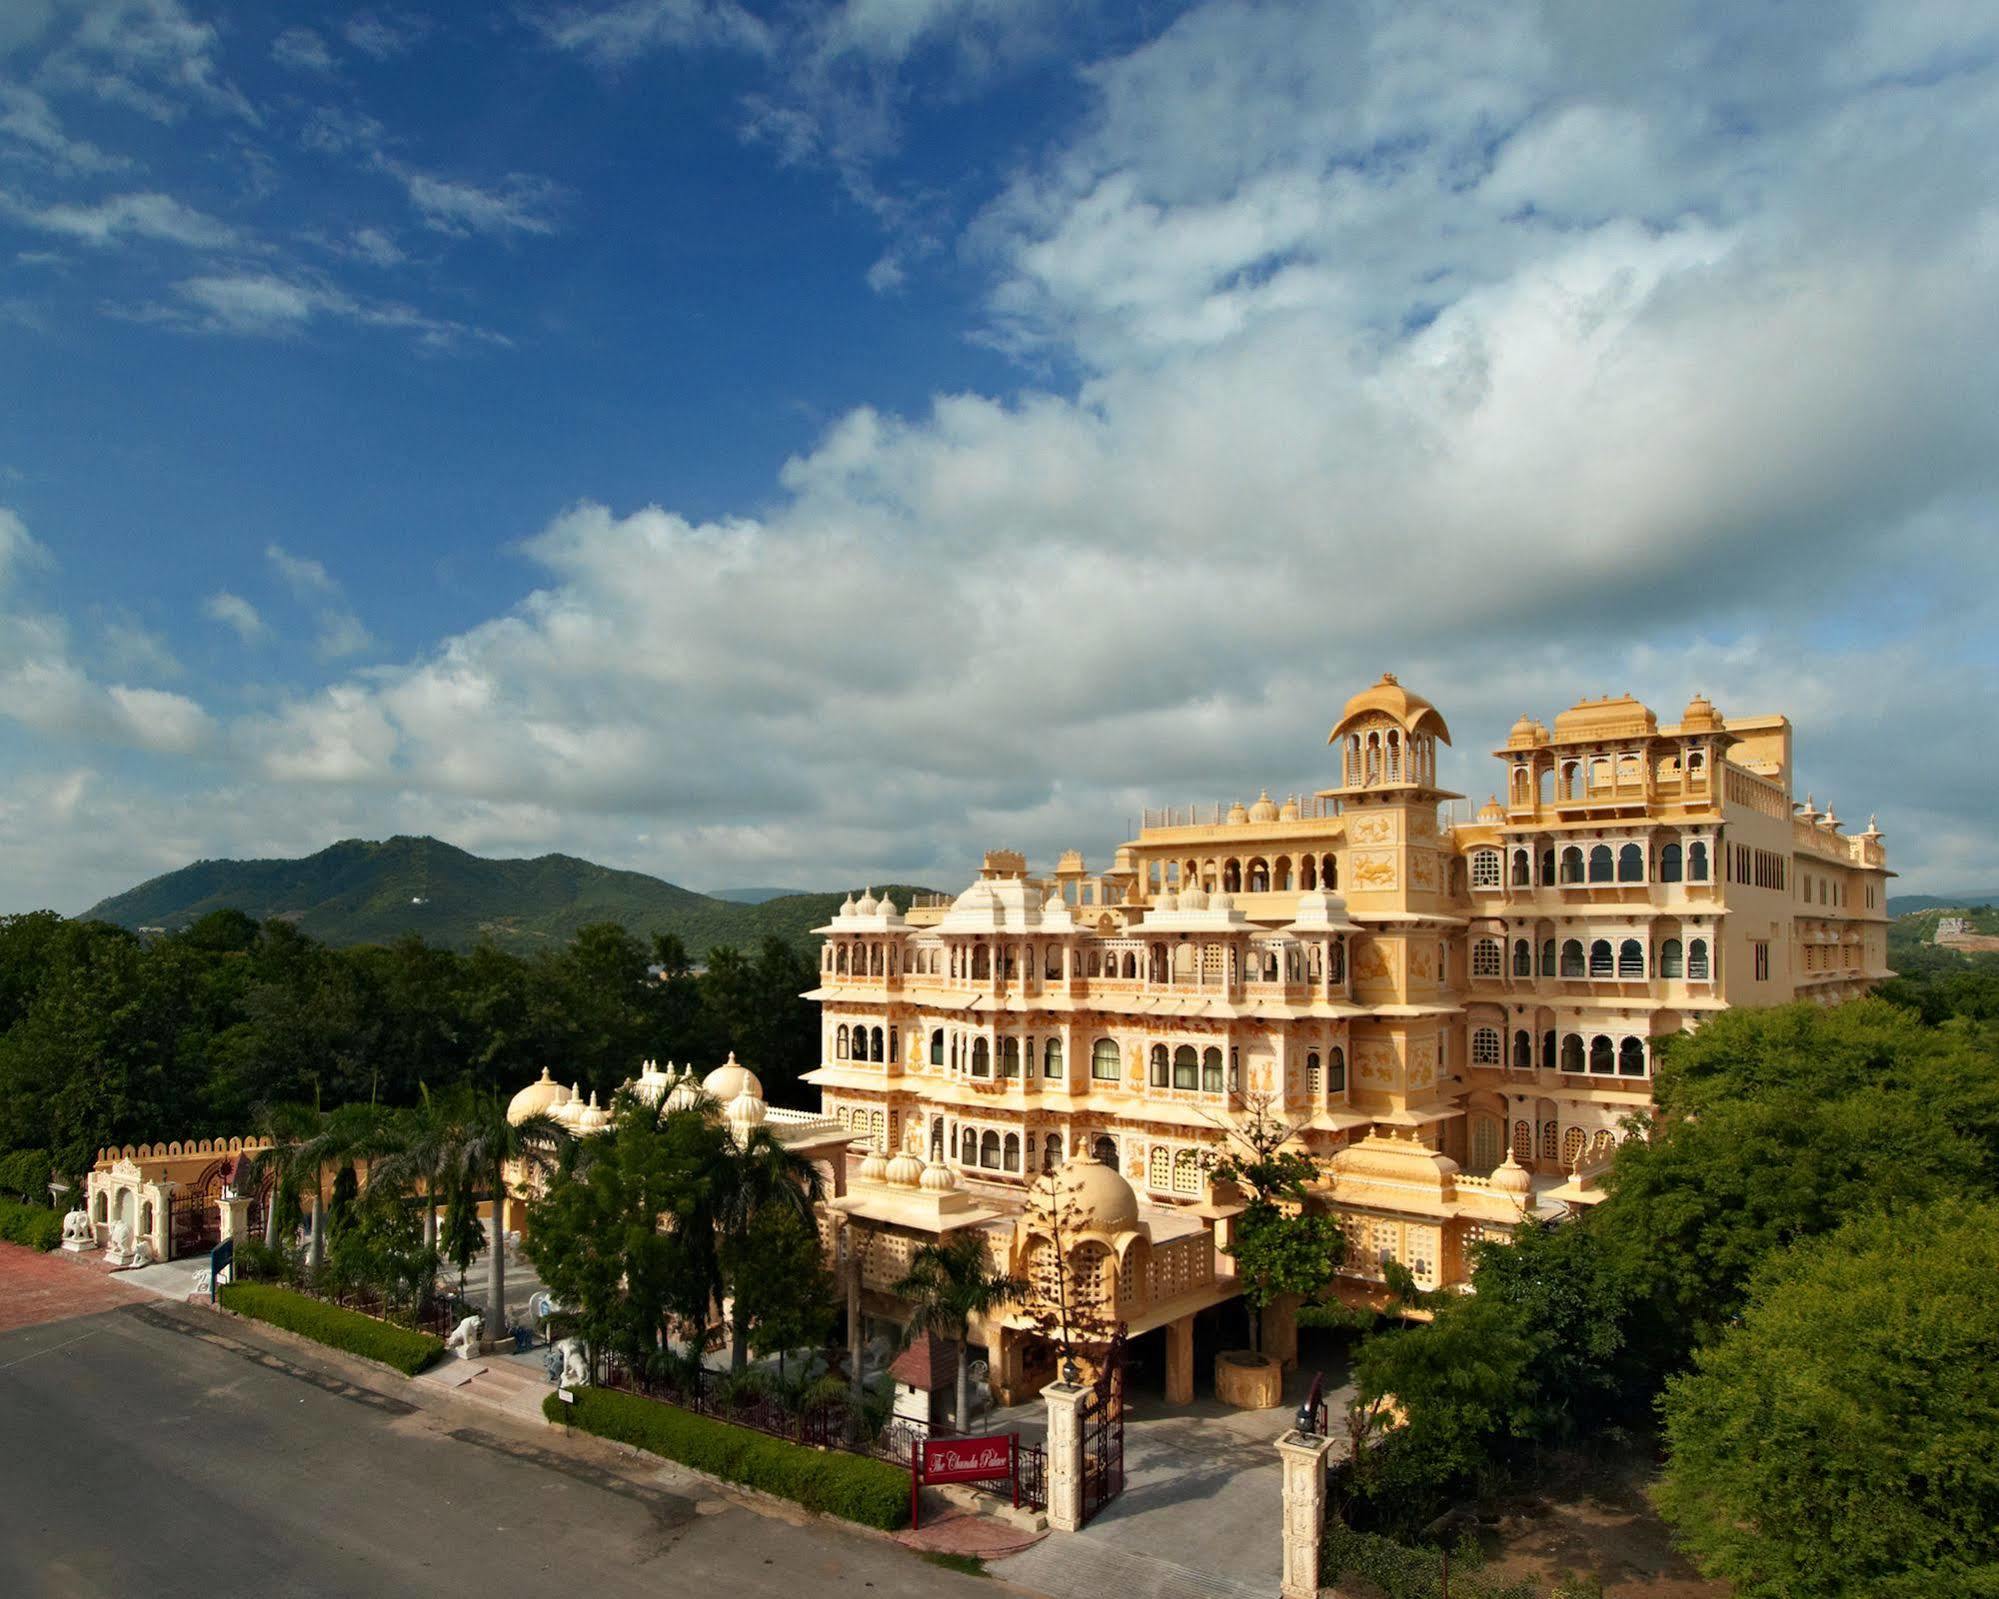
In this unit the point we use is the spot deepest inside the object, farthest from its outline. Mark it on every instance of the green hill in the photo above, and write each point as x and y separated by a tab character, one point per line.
1904	904
362	892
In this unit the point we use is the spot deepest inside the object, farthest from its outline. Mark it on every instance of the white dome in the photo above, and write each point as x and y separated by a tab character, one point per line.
746	1111
905	1171
1089	1196
938	1178
874	1167
729	1080
539	1098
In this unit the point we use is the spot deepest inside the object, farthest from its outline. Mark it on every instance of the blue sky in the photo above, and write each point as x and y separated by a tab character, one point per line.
804	444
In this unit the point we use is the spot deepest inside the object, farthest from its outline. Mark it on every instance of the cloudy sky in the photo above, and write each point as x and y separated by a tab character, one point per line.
810	443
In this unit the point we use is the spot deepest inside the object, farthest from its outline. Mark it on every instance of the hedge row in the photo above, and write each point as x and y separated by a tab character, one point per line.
854	1487
409	1352
34	1225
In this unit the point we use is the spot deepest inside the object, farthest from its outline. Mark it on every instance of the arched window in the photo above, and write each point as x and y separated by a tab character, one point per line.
1485	1046
1523	958
1336	1070
1600	864
989	1150
1485	868
875	961
1104	1151
1158	1068
1548	1050
1697	960
1572	864
1523	869
1600	1054
1105	1064
1631	1058
1010	1153
1572	1145
1672	959
876	1045
982	961
1232	876
1630	958
1130	964
1697	863
1159	1168
1329	874
1523	1050
1669	863
1051	966
1211	1071
1051	1152
1572	780
1547	866
1051	1058
1549	1132
1523	1143
982	1064
1009	1057
894	1044
1308	875
968	1154
1547	957
840	1043
1572	1052
1572	957
1485	958
1259	876
1631	864
1186	1067
1336	961
937	1046
1314	1076
1600	963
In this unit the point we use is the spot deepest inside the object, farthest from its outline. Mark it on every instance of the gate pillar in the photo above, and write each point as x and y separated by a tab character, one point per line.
1304	1458
1065	1454
236	1218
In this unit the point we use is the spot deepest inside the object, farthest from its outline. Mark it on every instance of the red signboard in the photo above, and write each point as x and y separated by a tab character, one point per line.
987	1458
969	1459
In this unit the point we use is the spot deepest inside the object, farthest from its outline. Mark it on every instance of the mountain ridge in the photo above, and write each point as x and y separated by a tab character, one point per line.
363	891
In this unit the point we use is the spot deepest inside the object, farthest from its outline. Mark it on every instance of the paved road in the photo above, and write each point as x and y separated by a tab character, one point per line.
153	1450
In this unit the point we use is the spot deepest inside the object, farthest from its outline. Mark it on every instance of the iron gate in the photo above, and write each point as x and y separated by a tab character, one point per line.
194	1225
1102	1417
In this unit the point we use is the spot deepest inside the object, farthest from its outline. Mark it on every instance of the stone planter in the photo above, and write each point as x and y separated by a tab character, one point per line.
1248	1381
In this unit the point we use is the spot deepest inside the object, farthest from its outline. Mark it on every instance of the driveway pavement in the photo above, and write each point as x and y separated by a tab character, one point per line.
154	1448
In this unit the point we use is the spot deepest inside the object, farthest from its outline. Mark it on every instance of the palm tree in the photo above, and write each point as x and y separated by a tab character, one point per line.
946	1286
282	1164
426	1139
488	1143
750	1173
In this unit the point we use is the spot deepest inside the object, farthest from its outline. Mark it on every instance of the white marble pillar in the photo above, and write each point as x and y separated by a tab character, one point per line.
1304	1458
1065	1454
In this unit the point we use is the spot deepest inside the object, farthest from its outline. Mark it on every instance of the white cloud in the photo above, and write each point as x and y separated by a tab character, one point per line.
17	549
620	33
266	305
306	577
382	37
376	246
302	50
128	646
138	216
520	204
236	613
30	121
149	55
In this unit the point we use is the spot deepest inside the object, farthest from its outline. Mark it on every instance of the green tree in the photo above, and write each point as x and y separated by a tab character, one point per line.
783	1290
947	1284
1838	1441
1280	1247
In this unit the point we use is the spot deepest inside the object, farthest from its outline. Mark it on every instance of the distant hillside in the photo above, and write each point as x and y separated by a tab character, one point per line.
362	892
754	896
1903	904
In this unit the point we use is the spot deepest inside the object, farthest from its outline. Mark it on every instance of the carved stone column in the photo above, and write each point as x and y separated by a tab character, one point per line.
236	1219
1065	1455
1304	1458
1180	1361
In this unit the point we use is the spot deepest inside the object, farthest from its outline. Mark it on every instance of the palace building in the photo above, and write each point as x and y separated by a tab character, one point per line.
1458	1018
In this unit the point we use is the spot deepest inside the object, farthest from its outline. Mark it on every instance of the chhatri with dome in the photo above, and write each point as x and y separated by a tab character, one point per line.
1458	1017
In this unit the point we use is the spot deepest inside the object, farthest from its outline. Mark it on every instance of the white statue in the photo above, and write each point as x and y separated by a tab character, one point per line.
141	1253
575	1363
77	1228
118	1245
465	1337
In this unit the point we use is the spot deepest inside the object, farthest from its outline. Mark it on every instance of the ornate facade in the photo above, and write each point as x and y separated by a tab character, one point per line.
1457	1018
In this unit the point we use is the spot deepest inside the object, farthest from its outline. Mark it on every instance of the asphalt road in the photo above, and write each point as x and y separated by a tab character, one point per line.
151	1451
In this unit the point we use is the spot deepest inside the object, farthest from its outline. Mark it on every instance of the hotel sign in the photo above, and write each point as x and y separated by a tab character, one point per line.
969	1459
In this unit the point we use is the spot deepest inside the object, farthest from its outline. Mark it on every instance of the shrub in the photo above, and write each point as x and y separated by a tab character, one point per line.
24	1175
409	1352
853	1487
37	1226
1403	1571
